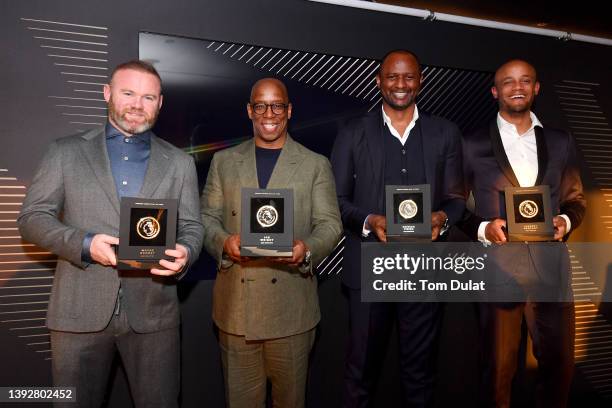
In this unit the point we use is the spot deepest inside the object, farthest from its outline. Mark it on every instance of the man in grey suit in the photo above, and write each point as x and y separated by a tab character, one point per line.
72	209
267	309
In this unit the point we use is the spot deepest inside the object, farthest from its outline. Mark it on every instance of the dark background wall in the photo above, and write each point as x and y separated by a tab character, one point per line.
30	120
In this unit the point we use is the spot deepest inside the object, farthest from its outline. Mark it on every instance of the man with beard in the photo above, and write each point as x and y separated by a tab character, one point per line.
267	309
72	209
517	150
394	145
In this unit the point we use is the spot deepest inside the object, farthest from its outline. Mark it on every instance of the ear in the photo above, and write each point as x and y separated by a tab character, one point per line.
249	111
289	110
537	88
494	92
161	101
378	81
107	92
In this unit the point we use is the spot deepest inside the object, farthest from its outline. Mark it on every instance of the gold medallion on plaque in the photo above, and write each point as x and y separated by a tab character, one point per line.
148	227
408	209
528	208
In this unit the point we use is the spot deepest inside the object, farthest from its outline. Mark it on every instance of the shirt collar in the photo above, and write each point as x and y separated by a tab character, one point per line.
503	123
387	119
112	132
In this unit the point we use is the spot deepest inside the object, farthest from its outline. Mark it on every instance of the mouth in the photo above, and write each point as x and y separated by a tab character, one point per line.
400	95
270	127
519	96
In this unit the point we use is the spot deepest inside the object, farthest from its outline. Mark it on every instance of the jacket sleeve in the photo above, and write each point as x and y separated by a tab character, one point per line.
453	202
39	221
326	226
572	202
190	229
212	212
343	165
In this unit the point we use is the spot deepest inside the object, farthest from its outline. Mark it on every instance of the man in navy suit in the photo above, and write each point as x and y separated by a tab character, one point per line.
517	150
395	145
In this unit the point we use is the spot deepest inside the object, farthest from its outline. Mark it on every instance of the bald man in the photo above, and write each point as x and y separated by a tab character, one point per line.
267	309
517	150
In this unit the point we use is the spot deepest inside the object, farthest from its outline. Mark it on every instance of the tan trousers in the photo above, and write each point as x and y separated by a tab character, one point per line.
247	365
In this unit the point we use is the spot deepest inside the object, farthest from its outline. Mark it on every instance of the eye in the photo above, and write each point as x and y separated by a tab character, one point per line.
278	106
150	98
392	77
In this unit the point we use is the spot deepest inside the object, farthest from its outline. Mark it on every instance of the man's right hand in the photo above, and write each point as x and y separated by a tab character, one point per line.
231	247
101	250
378	224
494	231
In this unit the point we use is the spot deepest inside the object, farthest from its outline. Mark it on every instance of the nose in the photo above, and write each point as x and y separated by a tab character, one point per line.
268	113
137	103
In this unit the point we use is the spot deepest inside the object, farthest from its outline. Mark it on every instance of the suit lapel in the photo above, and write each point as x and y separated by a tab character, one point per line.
286	165
159	163
500	154
542	154
247	169
94	150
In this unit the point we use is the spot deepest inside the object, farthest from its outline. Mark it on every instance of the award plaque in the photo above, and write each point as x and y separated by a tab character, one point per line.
528	212
147	228
408	213
266	224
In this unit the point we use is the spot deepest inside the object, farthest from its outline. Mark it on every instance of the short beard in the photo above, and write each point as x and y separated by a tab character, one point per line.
124	125
397	107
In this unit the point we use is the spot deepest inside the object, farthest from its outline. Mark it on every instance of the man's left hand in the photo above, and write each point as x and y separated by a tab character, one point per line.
438	218
560	228
299	252
181	256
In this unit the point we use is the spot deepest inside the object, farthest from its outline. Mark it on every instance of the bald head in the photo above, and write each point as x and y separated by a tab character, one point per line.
267	83
514	65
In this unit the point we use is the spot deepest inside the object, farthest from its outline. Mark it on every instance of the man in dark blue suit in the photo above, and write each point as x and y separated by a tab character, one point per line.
515	149
394	145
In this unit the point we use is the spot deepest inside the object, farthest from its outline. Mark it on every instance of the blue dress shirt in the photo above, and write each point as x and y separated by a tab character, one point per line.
129	158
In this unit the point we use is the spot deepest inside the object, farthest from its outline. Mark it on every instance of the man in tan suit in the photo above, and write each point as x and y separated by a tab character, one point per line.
267	309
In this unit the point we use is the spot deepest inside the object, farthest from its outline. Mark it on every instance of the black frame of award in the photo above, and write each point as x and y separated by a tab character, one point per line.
147	228
266	227
410	199
529	214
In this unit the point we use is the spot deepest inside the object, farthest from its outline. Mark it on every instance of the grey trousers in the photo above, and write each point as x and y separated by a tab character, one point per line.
247	365
151	362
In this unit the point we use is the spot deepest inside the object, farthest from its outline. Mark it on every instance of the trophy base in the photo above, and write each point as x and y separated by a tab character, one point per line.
266	252
133	264
408	238
524	237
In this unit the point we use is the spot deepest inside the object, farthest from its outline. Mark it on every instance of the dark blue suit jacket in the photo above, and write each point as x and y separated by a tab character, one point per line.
358	163
488	172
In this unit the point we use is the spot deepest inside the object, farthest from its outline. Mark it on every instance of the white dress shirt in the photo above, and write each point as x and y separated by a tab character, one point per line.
522	153
402	138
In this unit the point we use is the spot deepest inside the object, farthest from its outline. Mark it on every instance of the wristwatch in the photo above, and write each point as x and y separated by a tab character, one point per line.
304	266
307	258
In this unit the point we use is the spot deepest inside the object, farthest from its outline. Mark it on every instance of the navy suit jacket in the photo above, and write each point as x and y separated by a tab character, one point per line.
358	163
540	271
488	172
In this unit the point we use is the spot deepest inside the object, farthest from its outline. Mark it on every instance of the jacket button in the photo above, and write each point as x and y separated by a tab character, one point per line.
242	280
234	213
273	280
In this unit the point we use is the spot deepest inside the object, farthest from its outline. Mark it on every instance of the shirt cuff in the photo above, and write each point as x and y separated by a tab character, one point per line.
481	232
567	221
85	252
365	230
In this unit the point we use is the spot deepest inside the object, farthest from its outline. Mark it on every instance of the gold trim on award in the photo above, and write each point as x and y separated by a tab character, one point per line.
528	208
148	227
408	209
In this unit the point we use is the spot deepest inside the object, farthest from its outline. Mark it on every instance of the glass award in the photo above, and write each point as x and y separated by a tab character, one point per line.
147	228
529	215
408	213
266	224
